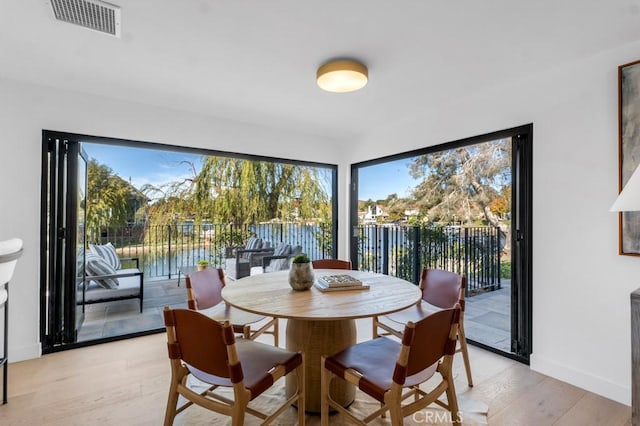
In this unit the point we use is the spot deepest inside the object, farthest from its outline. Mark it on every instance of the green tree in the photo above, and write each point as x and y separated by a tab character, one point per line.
241	191
462	183
111	201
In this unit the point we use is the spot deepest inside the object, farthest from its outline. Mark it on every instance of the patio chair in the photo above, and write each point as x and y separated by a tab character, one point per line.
204	290
240	259
331	264
281	258
201	347
106	280
10	251
440	290
384	368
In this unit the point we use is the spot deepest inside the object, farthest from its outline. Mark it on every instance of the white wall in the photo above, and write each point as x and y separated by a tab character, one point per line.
25	110
581	330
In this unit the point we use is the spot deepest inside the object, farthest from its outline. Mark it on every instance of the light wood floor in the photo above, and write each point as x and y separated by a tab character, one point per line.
125	383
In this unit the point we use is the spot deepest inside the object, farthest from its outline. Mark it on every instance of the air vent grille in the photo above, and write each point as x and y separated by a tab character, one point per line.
95	15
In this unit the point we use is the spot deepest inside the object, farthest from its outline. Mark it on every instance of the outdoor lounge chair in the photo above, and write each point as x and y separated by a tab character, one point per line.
281	258
240	259
105	279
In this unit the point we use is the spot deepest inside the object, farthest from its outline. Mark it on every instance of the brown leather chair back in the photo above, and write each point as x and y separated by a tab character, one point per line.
442	288
200	341
331	264
429	339
204	288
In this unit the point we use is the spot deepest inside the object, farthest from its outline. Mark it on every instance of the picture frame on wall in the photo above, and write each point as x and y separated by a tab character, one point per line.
628	150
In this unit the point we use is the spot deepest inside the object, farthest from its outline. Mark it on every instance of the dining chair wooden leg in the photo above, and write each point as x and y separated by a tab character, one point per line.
276	332
301	390
374	323
465	353
452	399
172	403
325	377
393	401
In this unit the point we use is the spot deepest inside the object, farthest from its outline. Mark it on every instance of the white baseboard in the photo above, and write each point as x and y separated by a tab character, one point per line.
581	379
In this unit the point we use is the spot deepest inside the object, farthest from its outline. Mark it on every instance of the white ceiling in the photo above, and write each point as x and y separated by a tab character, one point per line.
255	60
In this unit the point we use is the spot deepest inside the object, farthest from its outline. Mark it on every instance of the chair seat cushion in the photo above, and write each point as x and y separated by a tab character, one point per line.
128	287
413	313
236	317
256	359
375	360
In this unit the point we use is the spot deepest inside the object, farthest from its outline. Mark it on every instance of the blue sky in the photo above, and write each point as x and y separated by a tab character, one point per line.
377	182
156	167
144	166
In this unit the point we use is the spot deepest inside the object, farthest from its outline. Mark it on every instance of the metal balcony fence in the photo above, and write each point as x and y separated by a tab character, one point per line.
396	250
163	249
403	251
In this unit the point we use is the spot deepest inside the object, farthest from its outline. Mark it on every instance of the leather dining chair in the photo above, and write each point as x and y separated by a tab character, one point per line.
331	264
206	349
384	368
204	290
440	289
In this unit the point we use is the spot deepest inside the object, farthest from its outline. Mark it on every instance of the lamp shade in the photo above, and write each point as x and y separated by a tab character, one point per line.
342	76
629	199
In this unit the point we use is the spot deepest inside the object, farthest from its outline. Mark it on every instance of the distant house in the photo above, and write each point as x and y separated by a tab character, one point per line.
373	215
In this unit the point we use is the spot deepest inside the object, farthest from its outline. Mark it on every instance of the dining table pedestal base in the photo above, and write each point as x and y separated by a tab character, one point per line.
316	338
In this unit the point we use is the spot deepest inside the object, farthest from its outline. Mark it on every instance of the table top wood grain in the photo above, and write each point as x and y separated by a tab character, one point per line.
270	294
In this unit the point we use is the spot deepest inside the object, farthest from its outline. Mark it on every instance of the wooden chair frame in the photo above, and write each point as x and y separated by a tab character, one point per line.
462	339
394	397
236	407
331	264
240	328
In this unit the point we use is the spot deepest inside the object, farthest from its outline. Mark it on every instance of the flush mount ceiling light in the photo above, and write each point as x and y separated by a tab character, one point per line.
341	76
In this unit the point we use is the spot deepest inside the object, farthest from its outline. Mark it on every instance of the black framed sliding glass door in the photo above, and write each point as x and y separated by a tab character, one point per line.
63	241
467	209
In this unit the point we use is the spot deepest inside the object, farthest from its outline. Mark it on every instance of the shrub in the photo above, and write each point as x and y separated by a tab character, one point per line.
301	258
505	269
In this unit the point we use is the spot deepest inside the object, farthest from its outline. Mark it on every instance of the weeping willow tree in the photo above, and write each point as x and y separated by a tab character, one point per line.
240	192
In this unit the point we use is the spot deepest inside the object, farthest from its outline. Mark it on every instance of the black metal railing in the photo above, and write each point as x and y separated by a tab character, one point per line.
163	249
403	251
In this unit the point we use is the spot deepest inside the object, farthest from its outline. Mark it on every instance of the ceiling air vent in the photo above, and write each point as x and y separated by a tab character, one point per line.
93	14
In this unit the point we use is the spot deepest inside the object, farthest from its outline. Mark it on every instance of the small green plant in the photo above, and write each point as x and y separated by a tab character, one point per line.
505	269
301	258
203	262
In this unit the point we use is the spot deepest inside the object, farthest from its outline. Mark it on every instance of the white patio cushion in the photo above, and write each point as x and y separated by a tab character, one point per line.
129	286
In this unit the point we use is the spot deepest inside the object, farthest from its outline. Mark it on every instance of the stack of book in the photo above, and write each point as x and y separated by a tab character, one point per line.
339	283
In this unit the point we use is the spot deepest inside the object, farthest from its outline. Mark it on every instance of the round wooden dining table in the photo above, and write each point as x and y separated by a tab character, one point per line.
320	323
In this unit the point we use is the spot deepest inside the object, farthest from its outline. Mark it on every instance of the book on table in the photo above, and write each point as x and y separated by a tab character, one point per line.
339	282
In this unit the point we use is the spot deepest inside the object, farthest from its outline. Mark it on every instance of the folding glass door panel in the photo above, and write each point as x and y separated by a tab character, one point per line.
63	240
484	234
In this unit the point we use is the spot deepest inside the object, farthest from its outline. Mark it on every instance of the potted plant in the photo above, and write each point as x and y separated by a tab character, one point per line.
301	275
203	264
